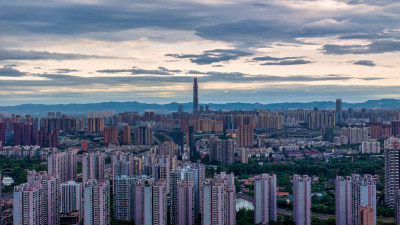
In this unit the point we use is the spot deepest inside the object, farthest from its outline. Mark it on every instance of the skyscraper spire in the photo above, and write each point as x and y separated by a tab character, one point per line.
195	96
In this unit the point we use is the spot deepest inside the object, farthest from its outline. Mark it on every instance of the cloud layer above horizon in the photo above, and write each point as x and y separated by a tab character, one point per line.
241	51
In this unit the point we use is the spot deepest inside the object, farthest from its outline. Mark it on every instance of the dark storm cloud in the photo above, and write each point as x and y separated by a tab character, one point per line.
210	21
373	48
212	56
42	55
8	71
364	63
138	71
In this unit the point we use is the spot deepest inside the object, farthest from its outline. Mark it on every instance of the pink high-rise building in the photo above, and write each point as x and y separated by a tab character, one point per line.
64	164
160	202
71	197
96	202
50	199
343	200
27	204
265	197
93	166
218	200
186	202
302	200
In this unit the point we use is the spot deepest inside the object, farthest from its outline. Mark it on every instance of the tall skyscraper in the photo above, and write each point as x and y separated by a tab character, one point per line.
343	200
301	199
71	197
218	200
265	197
363	193
339	111
93	166
186	209
195	96
96	202
392	171
245	136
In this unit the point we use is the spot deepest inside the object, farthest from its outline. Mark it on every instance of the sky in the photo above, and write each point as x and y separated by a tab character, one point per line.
81	51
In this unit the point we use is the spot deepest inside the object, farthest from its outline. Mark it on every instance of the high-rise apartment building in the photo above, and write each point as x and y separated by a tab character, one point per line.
397	208
27	204
343	200
185	198
143	136
95	125
395	127
50	199
265	196
2	135
302	200
71	197
195	96
110	135
218	200
355	135
339	111
269	121
96	202
392	172
363	193
222	151
123	191
64	164
366	216
93	166
166	148
126	135
140	199
245	136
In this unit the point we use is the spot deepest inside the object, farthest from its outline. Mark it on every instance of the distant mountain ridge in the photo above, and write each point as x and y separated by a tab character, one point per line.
116	107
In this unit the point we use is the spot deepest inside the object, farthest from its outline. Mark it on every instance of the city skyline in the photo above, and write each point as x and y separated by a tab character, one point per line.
71	52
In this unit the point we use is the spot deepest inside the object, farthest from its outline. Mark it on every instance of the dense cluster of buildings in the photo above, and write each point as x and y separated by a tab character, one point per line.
157	182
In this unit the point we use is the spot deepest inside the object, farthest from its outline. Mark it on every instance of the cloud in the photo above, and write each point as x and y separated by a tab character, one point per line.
212	56
42	55
65	70
270	58
284	61
8	71
287	62
138	71
364	63
373	48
